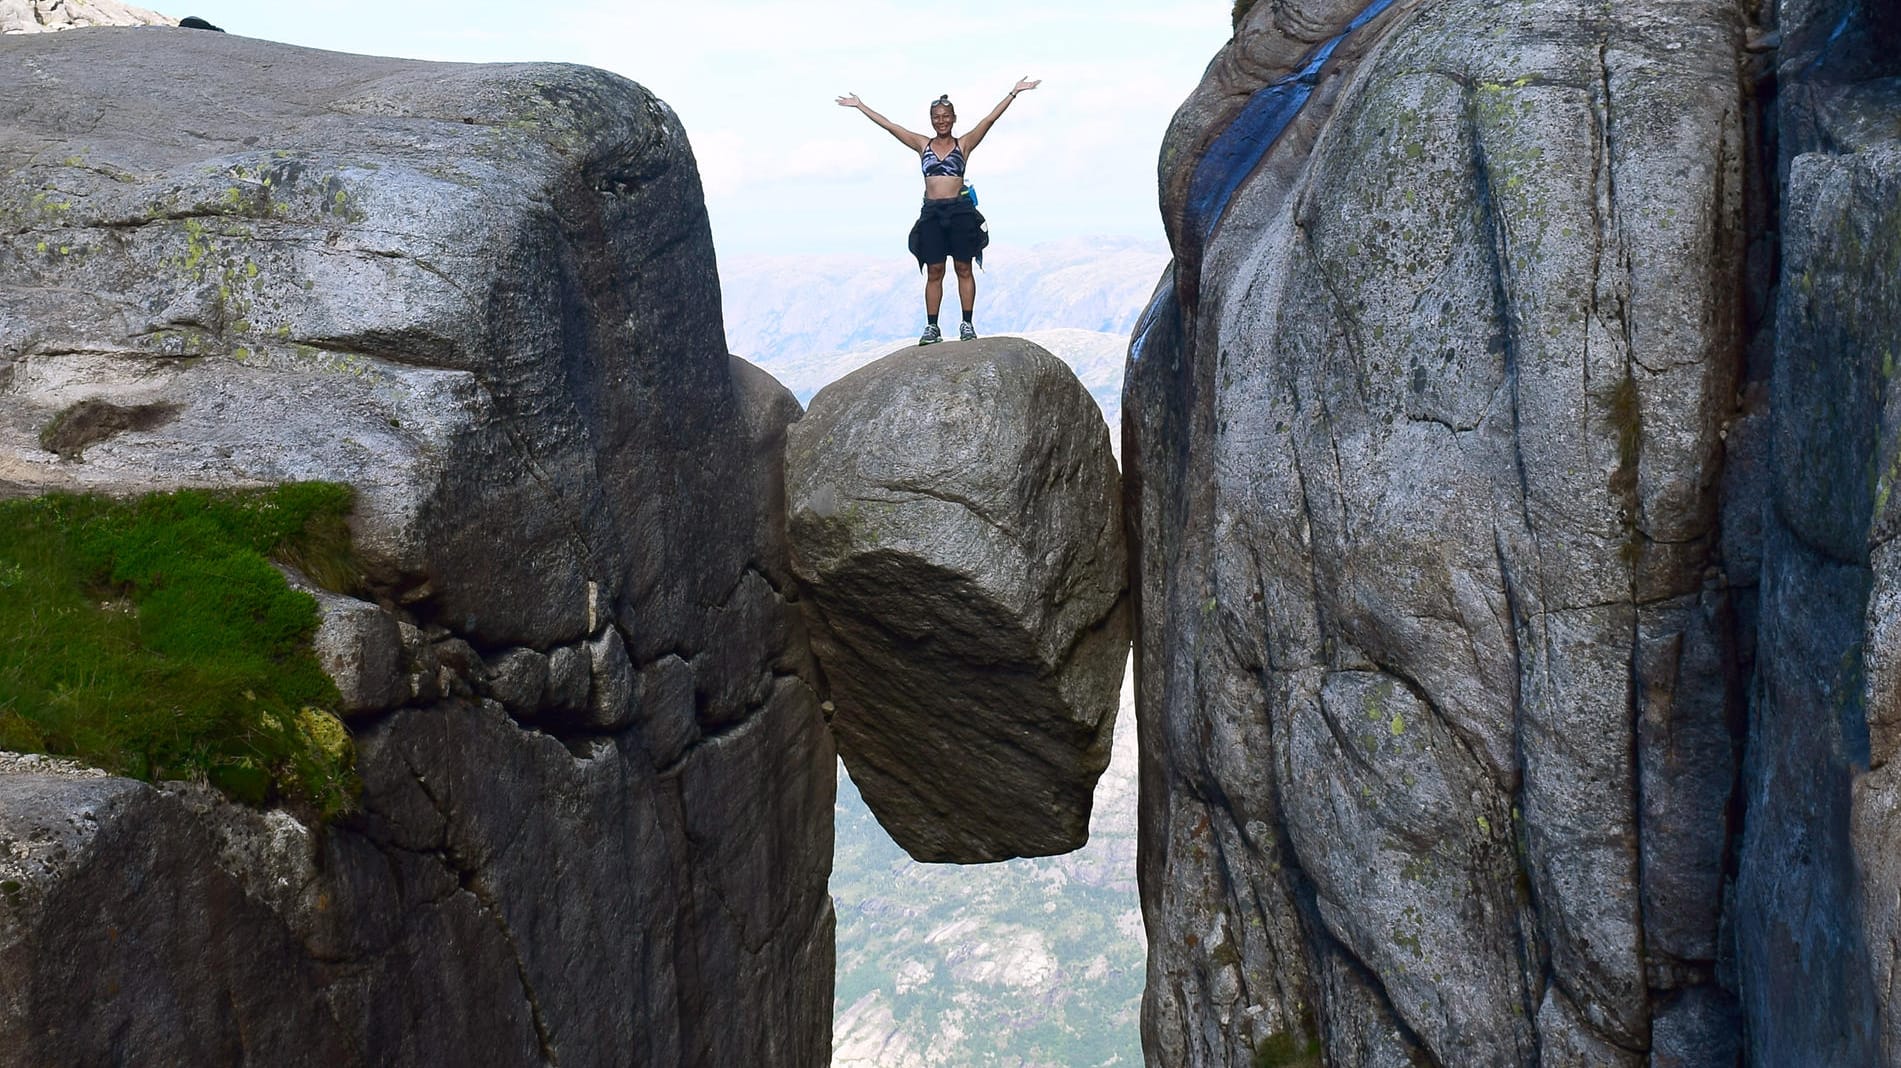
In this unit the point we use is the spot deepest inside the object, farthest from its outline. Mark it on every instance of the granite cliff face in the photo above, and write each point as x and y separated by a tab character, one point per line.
1447	441
1817	916
596	823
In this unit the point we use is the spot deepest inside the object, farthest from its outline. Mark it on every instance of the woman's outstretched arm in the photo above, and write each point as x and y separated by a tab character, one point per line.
970	140
912	139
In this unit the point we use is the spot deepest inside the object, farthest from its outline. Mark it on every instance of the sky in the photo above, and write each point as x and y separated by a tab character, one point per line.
788	171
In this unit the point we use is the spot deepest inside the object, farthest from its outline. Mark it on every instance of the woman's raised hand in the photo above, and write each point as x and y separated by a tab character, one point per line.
1024	84
849	100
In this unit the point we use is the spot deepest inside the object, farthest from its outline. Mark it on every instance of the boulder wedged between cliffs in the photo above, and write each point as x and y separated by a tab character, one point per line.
956	526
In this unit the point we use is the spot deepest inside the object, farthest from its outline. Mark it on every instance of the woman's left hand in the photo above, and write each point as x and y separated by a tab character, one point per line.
1024	84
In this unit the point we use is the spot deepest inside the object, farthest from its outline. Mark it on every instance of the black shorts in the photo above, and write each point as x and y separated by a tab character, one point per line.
953	228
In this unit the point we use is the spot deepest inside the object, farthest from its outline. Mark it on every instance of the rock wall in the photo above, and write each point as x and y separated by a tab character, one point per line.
596	823
1439	667
1817	919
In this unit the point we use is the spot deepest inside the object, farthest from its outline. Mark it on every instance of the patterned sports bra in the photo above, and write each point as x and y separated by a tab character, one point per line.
951	166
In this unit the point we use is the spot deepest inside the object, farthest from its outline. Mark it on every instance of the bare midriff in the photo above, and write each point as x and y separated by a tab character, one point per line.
942	186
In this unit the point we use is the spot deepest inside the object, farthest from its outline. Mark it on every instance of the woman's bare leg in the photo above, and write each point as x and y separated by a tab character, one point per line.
966	284
934	287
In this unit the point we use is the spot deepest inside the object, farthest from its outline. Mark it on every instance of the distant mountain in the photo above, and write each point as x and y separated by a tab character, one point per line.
786	310
1031	963
45	16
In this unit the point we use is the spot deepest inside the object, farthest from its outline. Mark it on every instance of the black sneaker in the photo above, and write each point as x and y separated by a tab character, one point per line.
932	335
966	332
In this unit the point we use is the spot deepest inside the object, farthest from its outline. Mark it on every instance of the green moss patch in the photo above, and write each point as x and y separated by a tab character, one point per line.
1291	1048
1285	1049
153	638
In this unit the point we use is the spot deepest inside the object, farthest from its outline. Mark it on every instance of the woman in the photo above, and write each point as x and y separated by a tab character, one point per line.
950	224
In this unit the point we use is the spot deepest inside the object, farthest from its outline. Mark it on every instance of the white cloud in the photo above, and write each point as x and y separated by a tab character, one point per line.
731	162
834	158
721	156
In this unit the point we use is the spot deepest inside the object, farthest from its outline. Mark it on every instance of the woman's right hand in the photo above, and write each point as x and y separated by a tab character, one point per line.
849	100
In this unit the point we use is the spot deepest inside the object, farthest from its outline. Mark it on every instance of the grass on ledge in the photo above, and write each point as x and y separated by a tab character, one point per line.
152	638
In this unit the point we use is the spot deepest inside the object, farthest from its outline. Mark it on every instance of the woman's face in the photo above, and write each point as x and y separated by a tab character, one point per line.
941	119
